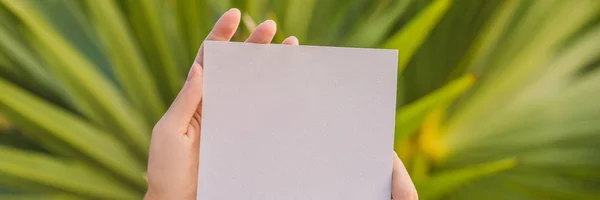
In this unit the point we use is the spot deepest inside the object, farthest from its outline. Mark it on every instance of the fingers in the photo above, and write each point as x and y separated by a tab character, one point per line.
402	186
223	30
264	33
185	105
292	40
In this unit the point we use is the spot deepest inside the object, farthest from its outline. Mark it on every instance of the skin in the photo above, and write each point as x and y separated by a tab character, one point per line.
175	145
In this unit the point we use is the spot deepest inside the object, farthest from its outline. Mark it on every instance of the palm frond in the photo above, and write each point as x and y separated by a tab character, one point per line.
82	83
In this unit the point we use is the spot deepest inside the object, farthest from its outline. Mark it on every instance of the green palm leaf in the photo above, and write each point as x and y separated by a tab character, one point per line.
445	182
410	38
410	117
128	64
95	95
82	83
61	175
69	132
298	16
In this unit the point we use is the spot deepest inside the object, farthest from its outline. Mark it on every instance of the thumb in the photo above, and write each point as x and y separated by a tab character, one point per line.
402	186
183	108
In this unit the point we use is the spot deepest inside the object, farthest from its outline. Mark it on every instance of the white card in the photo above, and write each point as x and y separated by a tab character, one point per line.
284	122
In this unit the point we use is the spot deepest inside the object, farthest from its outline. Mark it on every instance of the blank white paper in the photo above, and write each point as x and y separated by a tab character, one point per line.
284	122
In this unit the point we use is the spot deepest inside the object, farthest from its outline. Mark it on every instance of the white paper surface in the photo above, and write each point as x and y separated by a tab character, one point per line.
286	122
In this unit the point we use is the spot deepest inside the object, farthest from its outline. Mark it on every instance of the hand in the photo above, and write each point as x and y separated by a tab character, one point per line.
175	144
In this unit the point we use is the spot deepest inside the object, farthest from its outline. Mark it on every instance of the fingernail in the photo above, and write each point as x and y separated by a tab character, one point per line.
232	9
270	21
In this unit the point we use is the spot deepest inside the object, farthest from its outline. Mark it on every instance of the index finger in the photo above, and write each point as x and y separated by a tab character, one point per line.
223	30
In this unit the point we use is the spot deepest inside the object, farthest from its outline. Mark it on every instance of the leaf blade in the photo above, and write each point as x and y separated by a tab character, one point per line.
297	18
128	65
410	117
96	96
26	110
445	182
414	34
61	175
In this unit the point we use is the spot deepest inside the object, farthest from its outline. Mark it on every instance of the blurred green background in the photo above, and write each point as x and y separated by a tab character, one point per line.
498	99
